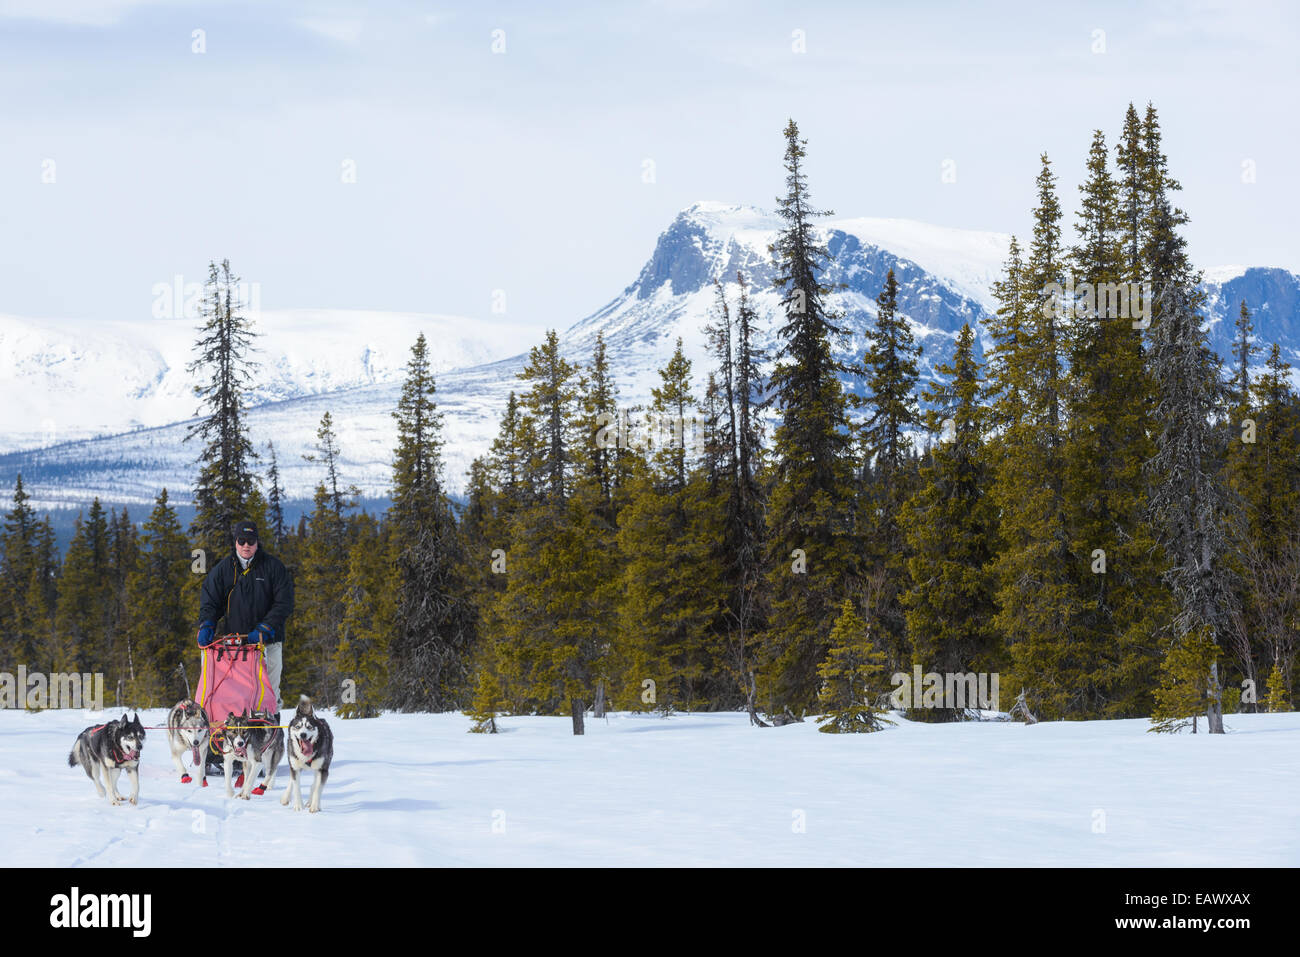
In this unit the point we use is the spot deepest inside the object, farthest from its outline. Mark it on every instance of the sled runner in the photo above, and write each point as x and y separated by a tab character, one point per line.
232	679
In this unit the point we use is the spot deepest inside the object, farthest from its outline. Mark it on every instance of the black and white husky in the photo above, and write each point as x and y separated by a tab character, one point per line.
105	749
232	743
311	745
264	748
188	730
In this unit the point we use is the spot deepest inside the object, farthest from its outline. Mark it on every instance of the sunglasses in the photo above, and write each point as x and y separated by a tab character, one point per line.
245	541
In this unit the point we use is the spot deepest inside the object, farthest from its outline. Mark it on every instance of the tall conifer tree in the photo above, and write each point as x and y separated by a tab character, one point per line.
810	546
1036	572
951	529
159	635
671	593
17	560
1188	502
435	617
1112	648
224	370
888	467
85	597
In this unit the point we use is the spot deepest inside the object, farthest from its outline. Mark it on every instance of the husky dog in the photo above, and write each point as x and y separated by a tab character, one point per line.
108	748
311	745
265	747
232	743
187	730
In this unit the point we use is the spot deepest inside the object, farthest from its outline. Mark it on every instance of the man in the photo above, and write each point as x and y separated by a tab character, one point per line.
253	592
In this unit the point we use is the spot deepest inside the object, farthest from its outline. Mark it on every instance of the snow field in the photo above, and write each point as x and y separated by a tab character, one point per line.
689	790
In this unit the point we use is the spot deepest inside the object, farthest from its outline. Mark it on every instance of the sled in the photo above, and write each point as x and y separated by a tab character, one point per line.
232	677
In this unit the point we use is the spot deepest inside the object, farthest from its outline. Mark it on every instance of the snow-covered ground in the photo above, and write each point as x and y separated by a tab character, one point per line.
693	789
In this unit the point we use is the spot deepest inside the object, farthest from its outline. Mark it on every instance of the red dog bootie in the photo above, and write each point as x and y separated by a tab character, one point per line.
239	781
186	779
260	789
205	782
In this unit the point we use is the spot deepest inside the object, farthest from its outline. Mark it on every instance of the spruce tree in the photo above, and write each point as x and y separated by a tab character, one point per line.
274	499
889	369
35	632
853	674
1279	695
498	490
1007	382
746	524
481	532
1263	475
599	462
435	617
362	656
85	605
1036	572
508	461
338	499
224	370
548	405
554	613
17	559
319	607
810	552
720	333
1112	649
1133	199
1188	501
603	470
1244	350
671	592
159	635
951	529
123	557
1187	685
482	710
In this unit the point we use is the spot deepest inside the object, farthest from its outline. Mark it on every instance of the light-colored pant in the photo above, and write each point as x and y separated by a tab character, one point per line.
274	663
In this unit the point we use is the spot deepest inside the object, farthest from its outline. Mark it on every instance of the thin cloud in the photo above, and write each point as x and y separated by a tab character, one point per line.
87	13
341	30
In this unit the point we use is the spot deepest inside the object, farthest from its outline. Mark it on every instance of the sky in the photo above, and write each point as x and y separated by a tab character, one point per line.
519	159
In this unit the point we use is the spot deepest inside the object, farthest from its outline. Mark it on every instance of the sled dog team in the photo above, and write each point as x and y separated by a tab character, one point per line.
106	750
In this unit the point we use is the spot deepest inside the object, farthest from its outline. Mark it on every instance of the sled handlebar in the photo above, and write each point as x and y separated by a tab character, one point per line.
230	639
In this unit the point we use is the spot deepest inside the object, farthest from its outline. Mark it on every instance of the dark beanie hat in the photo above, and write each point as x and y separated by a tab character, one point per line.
244	529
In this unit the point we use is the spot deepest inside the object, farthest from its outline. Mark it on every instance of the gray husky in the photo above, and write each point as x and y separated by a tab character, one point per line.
105	749
264	747
188	730
311	745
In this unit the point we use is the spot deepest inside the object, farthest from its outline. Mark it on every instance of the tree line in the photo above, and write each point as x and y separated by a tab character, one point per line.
1094	507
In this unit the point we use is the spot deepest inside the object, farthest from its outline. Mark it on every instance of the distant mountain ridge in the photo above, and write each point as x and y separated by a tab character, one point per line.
64	379
945	279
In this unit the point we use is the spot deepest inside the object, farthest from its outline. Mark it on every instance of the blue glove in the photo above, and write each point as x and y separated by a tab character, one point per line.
262	633
207	630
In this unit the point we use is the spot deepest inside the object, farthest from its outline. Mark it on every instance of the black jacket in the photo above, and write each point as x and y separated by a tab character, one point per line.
246	598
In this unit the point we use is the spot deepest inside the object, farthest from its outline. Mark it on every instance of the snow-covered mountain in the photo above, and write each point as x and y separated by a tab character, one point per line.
945	276
1273	297
63	380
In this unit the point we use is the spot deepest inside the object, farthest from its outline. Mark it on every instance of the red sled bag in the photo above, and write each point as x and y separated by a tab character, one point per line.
233	677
